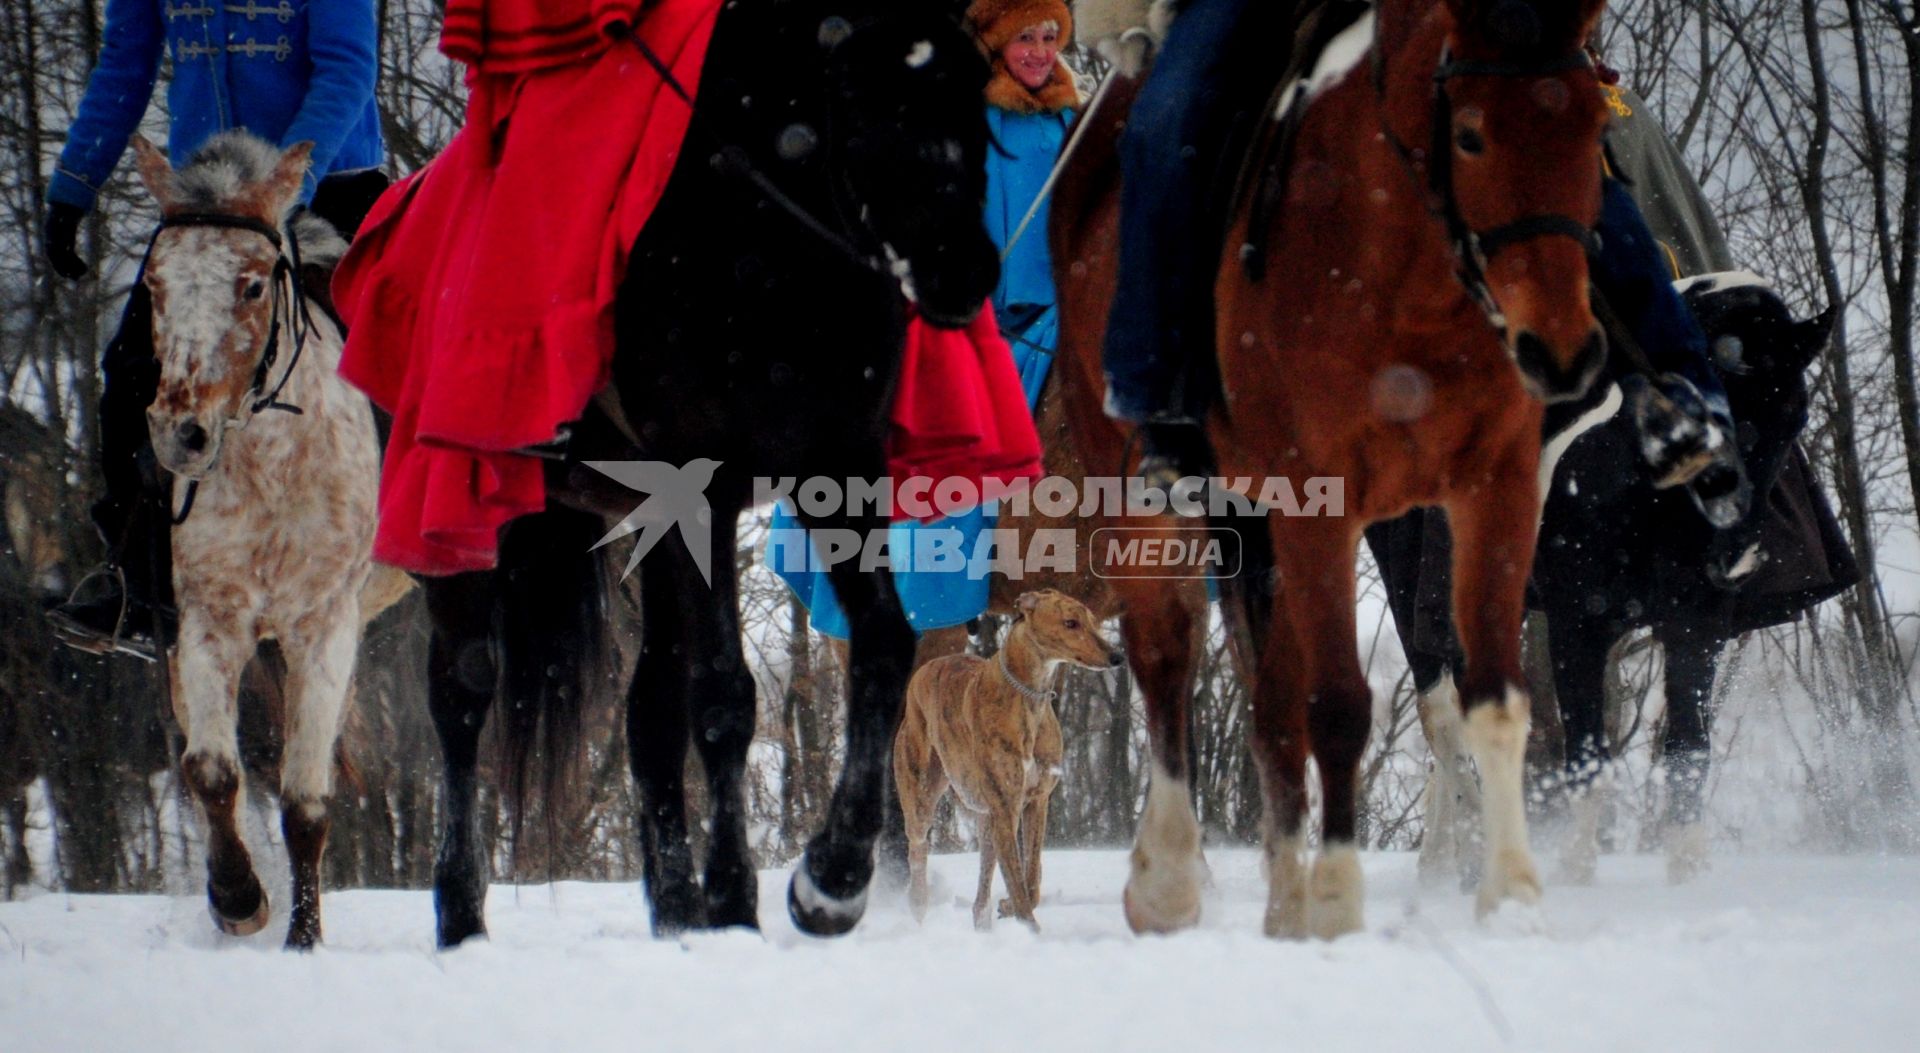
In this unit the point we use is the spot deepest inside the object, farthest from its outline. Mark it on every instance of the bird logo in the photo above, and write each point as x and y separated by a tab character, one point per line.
678	498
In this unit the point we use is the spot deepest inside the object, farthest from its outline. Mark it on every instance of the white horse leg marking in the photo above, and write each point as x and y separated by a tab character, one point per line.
1687	853
1580	857
1286	916
1453	792
1336	895
1163	890
1497	737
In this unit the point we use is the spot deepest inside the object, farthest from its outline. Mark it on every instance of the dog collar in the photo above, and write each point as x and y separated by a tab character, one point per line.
1027	691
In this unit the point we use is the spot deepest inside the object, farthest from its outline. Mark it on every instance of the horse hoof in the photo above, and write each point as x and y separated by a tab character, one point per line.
818	914
246	926
1144	921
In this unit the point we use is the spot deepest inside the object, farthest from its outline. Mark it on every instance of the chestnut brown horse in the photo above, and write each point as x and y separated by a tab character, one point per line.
1416	305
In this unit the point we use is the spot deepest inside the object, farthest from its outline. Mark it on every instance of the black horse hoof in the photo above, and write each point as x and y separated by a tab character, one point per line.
818	914
242	913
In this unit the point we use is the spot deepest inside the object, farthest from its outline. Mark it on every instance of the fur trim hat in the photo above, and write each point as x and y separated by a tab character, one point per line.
995	23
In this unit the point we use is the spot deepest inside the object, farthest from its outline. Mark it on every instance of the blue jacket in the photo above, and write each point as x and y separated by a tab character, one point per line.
1032	142
285	70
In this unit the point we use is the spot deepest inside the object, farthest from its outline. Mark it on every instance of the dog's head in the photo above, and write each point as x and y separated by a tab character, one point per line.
1064	630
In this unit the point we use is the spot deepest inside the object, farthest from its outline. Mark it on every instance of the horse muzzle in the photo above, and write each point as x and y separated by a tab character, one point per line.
185	444
1543	374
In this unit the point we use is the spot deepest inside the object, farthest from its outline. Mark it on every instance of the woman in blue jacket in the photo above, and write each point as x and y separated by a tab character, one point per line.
287	71
1029	107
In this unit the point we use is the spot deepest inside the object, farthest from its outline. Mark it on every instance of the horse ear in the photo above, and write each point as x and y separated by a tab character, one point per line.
282	188
1590	12
155	172
1812	336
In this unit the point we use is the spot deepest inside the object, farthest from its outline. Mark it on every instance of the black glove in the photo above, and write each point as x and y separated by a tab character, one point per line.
62	235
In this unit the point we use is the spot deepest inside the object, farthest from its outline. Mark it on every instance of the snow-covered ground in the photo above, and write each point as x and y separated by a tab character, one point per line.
1763	953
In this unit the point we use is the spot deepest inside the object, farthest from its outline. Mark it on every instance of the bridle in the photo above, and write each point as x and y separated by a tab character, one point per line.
1474	249
285	281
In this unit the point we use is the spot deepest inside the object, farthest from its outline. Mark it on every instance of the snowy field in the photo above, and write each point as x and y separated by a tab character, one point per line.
1763	953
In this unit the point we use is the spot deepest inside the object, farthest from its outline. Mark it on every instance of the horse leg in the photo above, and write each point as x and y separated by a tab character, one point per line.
1691	661
1167	872
720	703
463	669
1448	847
1319	599
657	715
1493	535
319	676
205	670
16	870
1578	648
828	893
1278	743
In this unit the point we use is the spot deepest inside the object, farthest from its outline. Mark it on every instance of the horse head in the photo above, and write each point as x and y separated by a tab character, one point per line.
907	128
1762	353
221	285
1512	159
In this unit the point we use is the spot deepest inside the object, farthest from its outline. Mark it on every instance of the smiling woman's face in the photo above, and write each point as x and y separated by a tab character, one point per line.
1030	55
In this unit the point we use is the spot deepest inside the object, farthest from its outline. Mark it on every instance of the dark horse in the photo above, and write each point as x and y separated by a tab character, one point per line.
835	161
1615	555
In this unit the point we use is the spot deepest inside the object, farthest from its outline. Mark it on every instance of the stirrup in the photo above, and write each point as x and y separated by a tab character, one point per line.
91	639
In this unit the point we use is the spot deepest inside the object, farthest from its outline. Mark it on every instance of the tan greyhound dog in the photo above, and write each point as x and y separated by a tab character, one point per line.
986	727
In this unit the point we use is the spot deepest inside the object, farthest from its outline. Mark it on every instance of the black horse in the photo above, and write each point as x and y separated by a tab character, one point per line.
1615	555
835	162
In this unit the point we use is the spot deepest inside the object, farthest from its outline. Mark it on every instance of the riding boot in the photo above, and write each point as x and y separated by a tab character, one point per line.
126	604
1172	448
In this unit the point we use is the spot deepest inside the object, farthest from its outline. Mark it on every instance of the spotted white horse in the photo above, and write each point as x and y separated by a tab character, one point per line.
276	463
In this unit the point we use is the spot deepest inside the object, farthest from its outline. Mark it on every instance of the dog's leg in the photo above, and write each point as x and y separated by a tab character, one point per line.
921	780
1004	825
982	920
1033	838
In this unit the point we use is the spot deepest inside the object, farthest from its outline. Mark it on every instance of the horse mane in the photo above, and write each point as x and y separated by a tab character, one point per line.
1523	28
226	167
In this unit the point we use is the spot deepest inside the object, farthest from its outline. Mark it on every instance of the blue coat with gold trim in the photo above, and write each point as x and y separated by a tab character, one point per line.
285	70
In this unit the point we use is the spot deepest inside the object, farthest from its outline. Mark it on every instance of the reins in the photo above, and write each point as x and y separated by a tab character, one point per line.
285	281
1473	250
732	158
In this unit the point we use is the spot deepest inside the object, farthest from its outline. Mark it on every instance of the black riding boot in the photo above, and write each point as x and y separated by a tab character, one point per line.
127	605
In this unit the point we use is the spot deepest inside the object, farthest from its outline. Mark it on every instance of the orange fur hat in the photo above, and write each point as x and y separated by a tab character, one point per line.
994	24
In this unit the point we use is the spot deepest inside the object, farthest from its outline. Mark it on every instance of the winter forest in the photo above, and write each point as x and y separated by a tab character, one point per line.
1800	120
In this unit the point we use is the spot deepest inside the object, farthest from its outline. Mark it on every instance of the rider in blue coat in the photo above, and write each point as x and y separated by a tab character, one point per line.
1029	110
287	71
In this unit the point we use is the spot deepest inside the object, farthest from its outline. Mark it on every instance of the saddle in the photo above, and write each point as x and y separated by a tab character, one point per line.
1267	161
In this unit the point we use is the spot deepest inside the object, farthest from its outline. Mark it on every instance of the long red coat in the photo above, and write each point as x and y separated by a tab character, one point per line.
479	293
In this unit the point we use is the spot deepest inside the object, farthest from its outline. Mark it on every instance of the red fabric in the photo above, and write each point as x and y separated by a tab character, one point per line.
479	297
960	411
519	36
479	293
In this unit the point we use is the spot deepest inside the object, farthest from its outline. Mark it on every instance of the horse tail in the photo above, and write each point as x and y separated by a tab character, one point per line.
550	618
